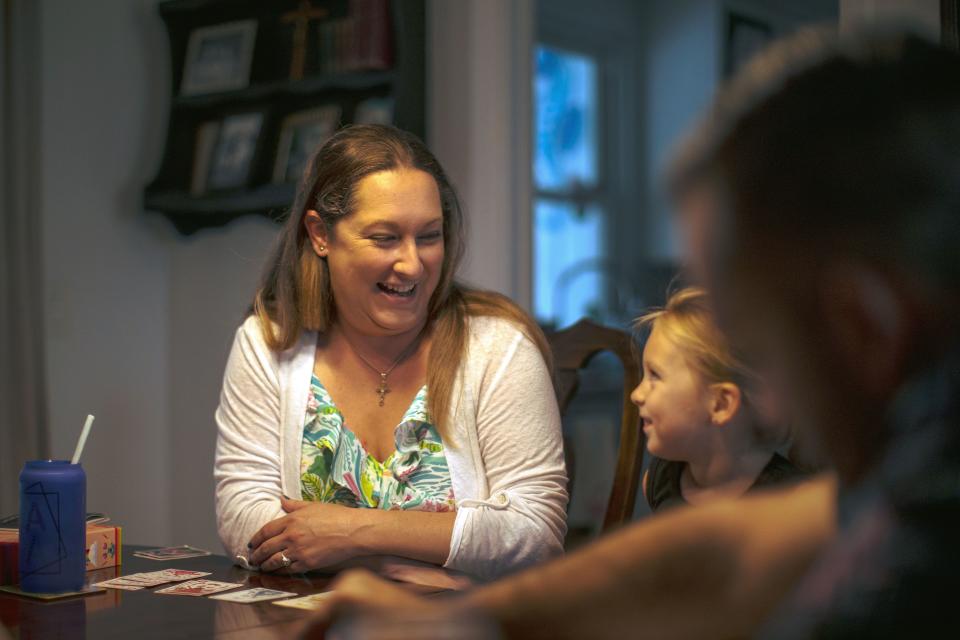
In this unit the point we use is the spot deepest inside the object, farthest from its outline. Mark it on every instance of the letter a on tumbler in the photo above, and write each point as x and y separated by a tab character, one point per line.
53	496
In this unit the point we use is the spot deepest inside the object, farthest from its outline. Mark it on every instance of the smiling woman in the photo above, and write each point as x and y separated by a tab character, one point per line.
409	416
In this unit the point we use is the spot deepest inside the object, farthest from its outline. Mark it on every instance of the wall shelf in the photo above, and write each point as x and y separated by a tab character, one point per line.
281	89
243	113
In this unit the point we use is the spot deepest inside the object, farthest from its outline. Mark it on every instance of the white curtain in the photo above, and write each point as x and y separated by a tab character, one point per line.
23	416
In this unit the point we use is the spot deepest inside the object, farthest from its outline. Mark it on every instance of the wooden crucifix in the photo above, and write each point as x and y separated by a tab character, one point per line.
300	18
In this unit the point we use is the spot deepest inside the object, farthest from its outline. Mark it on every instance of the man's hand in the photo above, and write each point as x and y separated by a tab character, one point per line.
360	592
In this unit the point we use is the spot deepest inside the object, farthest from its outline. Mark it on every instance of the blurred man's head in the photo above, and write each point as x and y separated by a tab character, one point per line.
820	200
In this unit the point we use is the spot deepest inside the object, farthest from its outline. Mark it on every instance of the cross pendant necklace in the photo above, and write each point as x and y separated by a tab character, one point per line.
383	389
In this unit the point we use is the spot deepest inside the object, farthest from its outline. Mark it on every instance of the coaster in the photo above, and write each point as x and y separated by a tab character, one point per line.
17	591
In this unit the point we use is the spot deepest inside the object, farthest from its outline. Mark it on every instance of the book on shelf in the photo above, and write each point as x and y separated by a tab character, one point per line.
361	41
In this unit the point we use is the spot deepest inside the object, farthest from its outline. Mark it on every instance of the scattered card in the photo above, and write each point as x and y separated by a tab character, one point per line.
179	575
252	595
311	602
171	553
136	581
142	579
199	587
119	583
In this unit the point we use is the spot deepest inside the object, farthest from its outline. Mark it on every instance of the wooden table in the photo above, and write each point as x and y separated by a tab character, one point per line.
144	614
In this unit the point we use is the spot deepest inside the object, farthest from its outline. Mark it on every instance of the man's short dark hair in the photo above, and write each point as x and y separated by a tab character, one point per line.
850	142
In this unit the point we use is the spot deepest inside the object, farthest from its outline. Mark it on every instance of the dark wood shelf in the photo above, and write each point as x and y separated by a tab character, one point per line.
307	87
264	197
190	213
191	6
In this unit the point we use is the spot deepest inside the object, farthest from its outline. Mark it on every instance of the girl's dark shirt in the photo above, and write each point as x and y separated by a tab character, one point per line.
663	480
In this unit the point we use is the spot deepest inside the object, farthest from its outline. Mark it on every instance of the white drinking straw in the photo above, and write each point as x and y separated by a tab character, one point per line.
83	440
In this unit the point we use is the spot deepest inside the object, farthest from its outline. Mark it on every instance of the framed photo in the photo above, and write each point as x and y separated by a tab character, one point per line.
206	140
224	152
301	134
744	37
374	111
218	58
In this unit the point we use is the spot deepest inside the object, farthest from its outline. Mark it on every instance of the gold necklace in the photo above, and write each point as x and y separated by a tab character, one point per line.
383	389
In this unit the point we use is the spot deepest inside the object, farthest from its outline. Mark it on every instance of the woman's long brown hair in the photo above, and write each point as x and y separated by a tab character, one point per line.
295	293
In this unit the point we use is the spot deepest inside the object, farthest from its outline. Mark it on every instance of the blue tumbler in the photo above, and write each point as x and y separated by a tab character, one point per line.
53	538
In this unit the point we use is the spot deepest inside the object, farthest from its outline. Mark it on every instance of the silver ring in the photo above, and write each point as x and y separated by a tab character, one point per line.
285	560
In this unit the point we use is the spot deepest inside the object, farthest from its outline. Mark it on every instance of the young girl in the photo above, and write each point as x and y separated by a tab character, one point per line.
701	424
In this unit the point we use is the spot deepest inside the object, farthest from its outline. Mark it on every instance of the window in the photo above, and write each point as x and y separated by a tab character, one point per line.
568	217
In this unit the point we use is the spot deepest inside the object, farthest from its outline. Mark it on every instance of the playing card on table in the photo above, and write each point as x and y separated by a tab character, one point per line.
252	595
139	580
147	579
119	583
171	553
310	602
199	587
178	575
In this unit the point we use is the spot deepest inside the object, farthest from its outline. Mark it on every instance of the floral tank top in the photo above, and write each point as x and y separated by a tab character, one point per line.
335	467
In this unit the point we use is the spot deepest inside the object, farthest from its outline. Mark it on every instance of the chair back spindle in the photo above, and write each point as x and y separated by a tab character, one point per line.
573	348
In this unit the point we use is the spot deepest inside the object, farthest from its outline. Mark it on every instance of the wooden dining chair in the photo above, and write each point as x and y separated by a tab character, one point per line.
573	348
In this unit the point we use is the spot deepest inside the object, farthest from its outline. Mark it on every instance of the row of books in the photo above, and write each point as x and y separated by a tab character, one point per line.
359	41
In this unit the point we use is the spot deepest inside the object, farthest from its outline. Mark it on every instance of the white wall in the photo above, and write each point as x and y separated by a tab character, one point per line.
681	75
139	318
106	266
479	65
213	275
684	54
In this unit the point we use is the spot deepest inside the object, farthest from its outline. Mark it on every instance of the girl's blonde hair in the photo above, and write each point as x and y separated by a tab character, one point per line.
295	294
688	322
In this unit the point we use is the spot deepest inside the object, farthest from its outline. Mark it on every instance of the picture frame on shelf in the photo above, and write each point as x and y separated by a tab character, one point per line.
745	36
218	58
206	140
301	134
226	163
374	111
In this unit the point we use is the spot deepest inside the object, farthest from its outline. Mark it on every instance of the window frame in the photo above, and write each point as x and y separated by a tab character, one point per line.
612	39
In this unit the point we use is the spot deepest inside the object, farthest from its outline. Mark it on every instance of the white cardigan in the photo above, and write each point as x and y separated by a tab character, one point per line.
503	446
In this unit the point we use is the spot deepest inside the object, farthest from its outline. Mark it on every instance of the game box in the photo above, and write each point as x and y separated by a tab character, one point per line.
103	550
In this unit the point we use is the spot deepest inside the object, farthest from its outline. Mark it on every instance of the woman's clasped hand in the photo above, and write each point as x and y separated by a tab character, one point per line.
311	536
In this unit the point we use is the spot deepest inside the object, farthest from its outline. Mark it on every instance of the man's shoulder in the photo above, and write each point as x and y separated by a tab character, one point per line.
891	572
